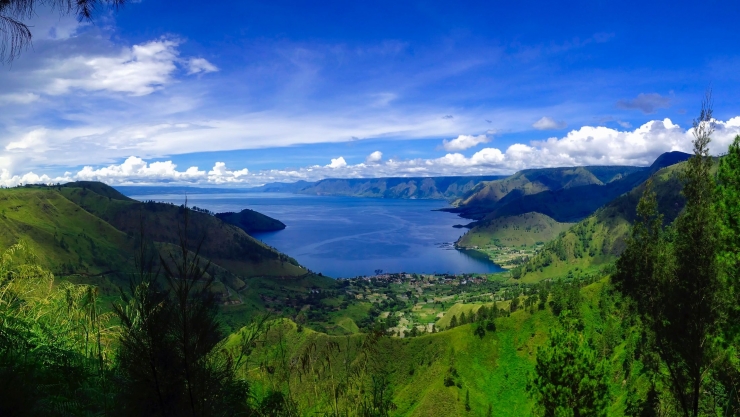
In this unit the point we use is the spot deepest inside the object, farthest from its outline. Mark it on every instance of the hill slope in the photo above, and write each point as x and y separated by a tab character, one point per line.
224	244
600	238
65	237
524	229
565	194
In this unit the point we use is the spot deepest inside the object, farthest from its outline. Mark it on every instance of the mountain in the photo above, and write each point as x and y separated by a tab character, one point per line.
281	187
89	229
251	221
224	244
600	238
406	188
564	194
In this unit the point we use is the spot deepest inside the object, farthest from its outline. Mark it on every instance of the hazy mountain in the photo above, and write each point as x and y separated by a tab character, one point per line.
406	188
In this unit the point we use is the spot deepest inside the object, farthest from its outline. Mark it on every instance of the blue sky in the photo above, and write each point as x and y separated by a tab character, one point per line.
254	92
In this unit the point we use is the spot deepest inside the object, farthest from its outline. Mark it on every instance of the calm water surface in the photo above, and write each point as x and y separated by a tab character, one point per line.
350	236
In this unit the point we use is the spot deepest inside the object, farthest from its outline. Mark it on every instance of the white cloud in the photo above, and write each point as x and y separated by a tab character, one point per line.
200	65
547	123
220	175
463	142
374	157
135	169
139	70
8	180
337	163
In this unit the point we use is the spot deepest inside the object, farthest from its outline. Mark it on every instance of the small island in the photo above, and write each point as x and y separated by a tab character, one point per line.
251	221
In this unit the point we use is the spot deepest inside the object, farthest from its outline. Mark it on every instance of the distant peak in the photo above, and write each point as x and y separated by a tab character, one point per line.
669	158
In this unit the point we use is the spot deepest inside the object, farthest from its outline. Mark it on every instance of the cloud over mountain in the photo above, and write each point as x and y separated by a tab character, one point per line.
589	145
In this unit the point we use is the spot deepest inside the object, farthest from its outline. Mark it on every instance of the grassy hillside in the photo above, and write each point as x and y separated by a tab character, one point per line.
421	188
225	244
428	375
65	237
522	230
251	221
600	238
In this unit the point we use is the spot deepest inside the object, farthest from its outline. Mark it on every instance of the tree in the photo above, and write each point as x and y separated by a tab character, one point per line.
453	322
480	330
172	357
491	325
728	212
569	379
15	36
673	277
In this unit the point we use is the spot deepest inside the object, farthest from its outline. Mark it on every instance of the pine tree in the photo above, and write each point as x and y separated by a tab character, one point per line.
569	379
728	212
673	276
693	305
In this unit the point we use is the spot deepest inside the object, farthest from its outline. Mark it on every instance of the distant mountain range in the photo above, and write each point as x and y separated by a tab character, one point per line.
564	194
439	188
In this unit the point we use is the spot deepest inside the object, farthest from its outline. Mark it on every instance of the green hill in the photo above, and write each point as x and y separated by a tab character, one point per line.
224	244
522	230
88	228
565	194
251	221
66	238
600	238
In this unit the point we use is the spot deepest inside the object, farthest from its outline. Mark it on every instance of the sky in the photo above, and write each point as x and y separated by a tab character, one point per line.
247	93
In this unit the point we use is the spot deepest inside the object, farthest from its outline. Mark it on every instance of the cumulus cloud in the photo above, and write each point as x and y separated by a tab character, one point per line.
463	142
221	175
374	157
647	103
547	123
136	169
337	163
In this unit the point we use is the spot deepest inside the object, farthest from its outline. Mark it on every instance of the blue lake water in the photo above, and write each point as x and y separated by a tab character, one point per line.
349	236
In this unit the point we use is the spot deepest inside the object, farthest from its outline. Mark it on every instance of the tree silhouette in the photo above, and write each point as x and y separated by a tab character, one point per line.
15	35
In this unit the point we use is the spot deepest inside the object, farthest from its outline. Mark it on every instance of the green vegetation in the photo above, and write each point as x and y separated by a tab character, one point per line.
522	230
109	306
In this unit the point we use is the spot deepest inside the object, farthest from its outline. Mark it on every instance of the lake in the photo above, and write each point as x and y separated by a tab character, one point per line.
352	236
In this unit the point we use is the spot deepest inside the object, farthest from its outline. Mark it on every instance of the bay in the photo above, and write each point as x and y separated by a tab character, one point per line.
352	236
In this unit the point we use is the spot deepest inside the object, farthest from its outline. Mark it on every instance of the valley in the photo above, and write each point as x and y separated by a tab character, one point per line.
432	343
